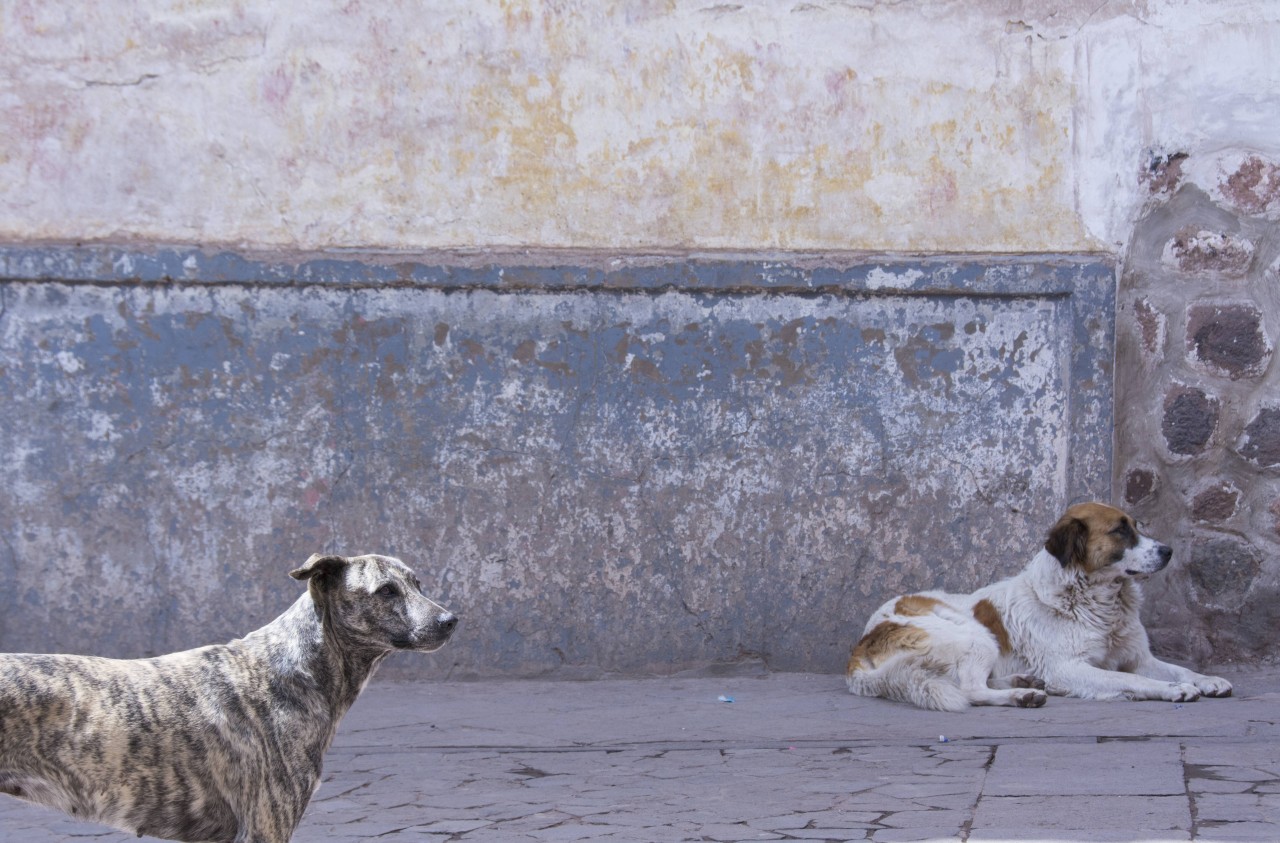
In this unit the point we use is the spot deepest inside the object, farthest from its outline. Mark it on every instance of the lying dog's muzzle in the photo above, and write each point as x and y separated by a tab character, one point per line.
1163	553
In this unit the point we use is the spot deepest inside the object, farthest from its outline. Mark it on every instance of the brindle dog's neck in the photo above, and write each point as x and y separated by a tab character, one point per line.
311	658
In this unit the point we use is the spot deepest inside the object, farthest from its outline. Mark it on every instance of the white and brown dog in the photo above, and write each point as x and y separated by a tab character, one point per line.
1067	625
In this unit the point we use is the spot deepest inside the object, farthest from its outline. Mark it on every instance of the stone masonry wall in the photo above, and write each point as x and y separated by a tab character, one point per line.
1198	401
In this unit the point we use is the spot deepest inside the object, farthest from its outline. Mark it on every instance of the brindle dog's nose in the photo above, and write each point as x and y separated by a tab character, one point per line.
447	622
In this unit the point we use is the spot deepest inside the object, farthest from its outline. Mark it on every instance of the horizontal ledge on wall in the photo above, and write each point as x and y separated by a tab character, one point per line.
533	270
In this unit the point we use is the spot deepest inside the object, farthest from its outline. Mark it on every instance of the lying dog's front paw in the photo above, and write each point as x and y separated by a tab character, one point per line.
1181	692
1213	686
1026	680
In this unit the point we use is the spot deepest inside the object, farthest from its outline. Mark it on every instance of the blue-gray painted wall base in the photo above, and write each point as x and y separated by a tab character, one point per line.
605	464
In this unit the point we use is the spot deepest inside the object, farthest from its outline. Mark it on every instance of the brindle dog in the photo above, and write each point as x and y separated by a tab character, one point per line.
223	743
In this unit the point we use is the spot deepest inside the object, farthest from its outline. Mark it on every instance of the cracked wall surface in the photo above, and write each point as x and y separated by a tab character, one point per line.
603	469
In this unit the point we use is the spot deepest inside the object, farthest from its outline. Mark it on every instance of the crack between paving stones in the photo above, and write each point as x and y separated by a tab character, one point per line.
395	831
1192	807
967	828
350	790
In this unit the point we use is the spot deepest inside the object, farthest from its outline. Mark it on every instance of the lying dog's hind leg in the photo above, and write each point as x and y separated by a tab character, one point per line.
974	675
1016	680
1019	697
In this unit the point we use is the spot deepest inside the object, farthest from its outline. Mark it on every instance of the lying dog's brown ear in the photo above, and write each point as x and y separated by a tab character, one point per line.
1068	541
320	568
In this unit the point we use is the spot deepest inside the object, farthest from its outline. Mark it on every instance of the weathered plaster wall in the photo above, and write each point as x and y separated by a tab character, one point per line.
989	126
602	468
1198	392
529	409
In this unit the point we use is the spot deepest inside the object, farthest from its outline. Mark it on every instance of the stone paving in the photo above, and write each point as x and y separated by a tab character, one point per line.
791	757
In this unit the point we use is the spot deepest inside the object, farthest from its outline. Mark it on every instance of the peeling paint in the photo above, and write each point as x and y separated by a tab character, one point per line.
659	469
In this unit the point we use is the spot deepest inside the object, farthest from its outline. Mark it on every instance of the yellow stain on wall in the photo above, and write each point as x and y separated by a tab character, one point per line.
514	122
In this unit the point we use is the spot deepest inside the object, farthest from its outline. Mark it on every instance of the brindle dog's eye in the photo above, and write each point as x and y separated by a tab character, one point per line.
388	591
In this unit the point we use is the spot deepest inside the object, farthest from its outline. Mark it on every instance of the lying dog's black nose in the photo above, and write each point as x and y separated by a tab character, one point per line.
1165	553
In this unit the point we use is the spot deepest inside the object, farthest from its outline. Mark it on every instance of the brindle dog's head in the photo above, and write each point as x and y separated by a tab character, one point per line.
376	602
1096	538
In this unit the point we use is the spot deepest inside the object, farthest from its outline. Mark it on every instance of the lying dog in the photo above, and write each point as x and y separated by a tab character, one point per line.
221	743
1067	625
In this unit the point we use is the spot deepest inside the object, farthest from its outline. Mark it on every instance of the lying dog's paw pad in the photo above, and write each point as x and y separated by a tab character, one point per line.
1031	699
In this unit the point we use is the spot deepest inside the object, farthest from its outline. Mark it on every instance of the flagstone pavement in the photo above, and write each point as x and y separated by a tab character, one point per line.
774	757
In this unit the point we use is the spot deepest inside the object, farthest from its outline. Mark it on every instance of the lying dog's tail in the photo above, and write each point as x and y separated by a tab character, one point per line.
907	680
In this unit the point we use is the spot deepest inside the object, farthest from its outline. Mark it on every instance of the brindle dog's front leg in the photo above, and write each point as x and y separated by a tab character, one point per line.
264	823
251	835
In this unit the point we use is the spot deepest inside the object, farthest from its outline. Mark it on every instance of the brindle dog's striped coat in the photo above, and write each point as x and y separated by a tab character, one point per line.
220	743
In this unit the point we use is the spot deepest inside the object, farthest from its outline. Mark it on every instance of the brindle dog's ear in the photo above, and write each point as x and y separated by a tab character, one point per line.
320	569
1068	542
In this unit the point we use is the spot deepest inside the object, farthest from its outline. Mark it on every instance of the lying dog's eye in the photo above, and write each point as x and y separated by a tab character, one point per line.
388	590
1125	534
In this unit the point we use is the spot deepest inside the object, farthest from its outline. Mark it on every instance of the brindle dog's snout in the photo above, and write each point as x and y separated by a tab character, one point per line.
447	623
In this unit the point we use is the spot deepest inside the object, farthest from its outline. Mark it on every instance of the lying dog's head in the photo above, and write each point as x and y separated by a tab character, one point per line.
377	602
1093	536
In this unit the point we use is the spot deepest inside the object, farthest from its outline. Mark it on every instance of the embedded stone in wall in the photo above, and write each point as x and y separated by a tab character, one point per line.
1139	484
1254	187
1262	438
1190	417
1228	338
1223	567
1216	503
1152	325
1196	250
1163	173
1199	319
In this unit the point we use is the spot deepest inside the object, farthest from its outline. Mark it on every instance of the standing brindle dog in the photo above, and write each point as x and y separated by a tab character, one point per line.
221	744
